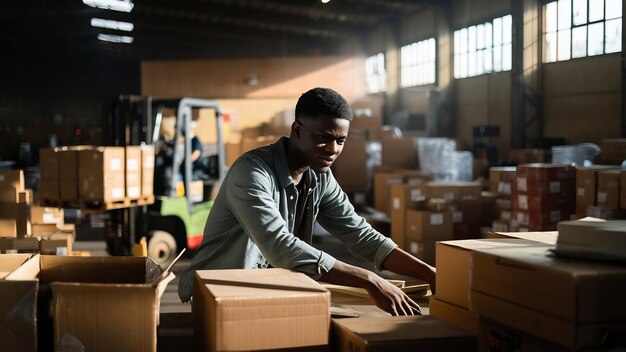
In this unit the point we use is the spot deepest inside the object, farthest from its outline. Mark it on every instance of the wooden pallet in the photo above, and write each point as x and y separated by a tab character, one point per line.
98	206
55	203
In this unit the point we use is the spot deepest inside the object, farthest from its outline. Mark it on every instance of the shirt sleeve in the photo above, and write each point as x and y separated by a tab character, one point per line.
338	217
251	192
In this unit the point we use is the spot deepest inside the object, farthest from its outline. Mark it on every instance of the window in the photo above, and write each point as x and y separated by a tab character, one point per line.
579	28
417	63
375	74
483	48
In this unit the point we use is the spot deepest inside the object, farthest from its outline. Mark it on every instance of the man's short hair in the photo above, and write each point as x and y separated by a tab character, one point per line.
323	101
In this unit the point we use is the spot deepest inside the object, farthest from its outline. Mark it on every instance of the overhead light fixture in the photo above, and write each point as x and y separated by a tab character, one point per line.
121	26
115	5
115	38
325	1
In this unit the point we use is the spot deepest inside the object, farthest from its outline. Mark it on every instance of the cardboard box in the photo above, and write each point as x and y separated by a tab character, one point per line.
400	334
101	174
501	179
12	179
525	185
14	220
20	245
382	187
460	317
587	186
68	172
547	237
18	302
133	171
546	172
424	250
49	182
400	153
426	225
403	197
147	170
522	156
608	189
232	152
568	302
46	215
242	310
56	244
499	337
453	190
12	195
454	261
104	303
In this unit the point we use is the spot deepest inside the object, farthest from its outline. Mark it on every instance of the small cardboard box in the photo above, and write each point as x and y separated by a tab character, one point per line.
568	302
147	170
426	225
68	172
104	303
608	189
18	302
101	174
133	171
14	220
46	215
403	196
420	333
243	310
49	183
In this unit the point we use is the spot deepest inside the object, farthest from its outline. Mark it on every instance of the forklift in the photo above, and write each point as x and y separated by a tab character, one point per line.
177	217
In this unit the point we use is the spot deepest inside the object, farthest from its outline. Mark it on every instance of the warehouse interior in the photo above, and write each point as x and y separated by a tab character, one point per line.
488	140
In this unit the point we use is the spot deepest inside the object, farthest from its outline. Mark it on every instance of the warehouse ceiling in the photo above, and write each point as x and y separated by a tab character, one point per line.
174	29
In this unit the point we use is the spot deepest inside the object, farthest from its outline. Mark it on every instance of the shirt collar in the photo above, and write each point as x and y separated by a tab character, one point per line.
282	166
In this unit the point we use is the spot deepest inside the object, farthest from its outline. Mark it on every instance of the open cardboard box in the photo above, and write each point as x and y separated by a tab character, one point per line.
101	303
18	301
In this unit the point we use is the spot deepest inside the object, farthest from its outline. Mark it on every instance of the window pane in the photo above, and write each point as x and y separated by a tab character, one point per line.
497	58
488	34
480	66
551	47
596	10
463	65
497	31
480	36
507	28
471	64
506	57
613	36
579	41
457	42
551	17
457	66
580	12
463	40
471	36
595	39
488	60
613	9
565	14
564	42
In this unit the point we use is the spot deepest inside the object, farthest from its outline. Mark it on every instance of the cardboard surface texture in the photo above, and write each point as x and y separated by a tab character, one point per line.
104	303
242	310
18	302
457	316
400	334
569	302
101	174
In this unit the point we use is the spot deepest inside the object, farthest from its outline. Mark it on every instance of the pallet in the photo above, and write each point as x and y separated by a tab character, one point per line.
55	203
98	206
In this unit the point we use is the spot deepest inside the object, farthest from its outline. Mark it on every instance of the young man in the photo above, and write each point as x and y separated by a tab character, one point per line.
271	197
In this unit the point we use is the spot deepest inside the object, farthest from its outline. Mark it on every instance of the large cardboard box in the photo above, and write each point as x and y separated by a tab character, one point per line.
49	182
46	215
427	225
133	171
243	310
18	302
68	172
104	303
147	170
454	262
400	334
499	337
608	189
101	174
501	179
569	302
403	197
460	317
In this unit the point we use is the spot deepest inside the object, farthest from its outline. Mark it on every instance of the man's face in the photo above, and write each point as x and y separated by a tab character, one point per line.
320	140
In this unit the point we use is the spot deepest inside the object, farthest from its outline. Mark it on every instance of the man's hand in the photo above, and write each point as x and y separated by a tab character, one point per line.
403	263
384	294
390	298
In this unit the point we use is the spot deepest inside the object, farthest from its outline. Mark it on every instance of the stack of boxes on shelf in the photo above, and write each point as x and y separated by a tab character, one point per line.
25	227
86	175
598	190
501	181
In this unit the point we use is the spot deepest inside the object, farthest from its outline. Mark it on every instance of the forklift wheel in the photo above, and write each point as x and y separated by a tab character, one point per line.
162	247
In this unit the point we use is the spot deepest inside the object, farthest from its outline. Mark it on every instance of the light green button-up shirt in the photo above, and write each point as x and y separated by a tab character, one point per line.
251	223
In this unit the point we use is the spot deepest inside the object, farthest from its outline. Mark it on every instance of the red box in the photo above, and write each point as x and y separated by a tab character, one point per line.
550	172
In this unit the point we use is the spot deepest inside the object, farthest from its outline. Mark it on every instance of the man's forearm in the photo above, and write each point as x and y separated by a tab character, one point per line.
348	275
401	262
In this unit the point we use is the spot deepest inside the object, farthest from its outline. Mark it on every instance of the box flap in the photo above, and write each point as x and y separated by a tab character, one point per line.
119	270
9	263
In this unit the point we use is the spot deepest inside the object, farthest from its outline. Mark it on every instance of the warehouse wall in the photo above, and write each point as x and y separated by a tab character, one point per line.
280	82
583	99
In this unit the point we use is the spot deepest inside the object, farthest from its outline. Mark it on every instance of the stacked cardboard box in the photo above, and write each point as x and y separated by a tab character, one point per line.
68	175
574	304
101	174
147	170
613	150
543	195
501	182
587	187
384	178
466	205
50	183
14	205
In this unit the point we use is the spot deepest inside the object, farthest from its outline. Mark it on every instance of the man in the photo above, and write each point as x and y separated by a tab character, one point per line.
271	197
